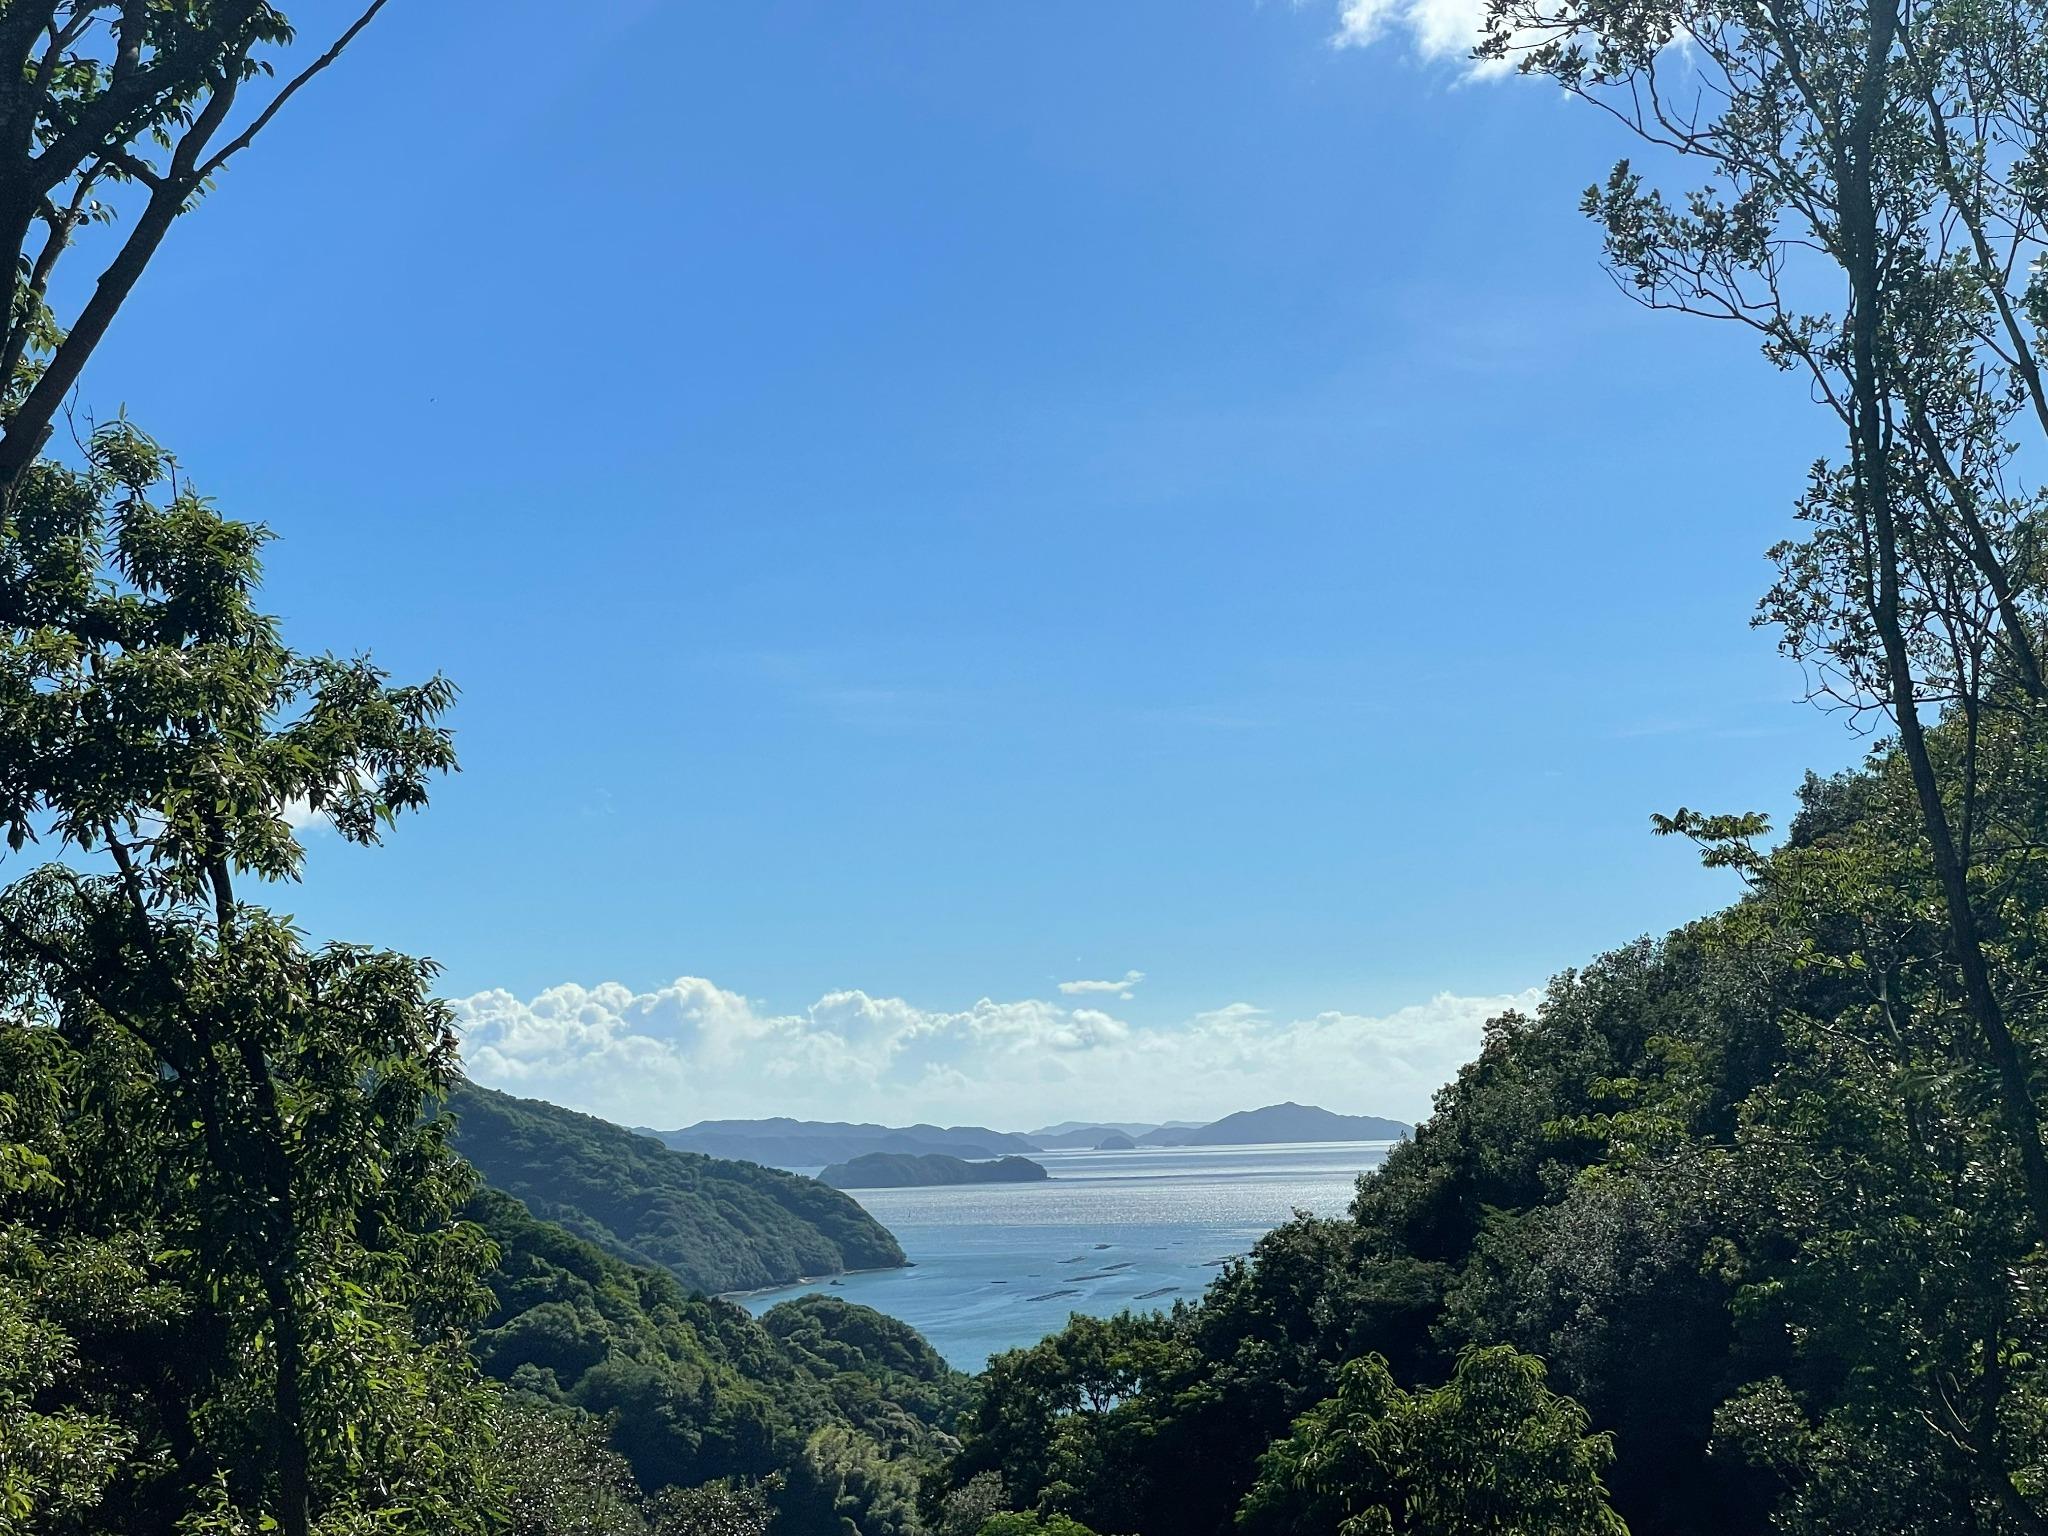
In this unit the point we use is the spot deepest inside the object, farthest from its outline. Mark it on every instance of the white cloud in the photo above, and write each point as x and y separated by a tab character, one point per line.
1121	989
692	1050
300	816
1438	29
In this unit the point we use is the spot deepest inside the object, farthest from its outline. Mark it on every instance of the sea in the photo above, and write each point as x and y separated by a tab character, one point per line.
998	1266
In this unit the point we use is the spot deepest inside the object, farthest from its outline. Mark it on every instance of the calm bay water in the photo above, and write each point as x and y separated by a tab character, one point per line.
1002	1265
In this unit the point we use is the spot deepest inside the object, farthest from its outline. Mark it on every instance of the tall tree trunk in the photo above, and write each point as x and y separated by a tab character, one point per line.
1871	449
294	1478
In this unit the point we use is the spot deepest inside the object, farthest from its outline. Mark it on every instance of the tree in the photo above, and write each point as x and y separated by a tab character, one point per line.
245	1109
1884	149
1873	210
1071	1424
564	1480
111	102
845	1484
713	1509
963	1511
1492	1450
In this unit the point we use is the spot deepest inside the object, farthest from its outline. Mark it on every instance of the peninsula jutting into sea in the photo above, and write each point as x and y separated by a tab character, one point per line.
904	1170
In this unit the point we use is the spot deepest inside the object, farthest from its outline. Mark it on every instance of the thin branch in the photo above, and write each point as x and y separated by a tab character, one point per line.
242	140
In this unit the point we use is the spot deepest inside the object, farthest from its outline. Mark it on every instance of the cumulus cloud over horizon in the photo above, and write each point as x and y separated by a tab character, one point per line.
693	1050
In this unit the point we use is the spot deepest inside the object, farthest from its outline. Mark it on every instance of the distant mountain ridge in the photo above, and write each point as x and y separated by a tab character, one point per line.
1081	1136
898	1170
1251	1127
716	1225
1085	1133
782	1142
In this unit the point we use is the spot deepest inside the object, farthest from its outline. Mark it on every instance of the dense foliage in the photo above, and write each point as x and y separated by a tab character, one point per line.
699	1389
719	1226
1491	1450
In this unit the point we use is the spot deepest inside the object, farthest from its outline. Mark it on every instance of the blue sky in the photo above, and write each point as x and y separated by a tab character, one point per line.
928	502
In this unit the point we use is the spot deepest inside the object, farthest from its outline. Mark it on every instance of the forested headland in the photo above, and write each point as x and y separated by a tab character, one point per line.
717	1225
1741	1230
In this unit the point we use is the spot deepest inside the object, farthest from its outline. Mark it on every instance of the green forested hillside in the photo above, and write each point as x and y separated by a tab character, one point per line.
718	1226
814	1396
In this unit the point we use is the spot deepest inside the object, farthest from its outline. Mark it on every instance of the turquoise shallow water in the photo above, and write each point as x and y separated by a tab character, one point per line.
996	1266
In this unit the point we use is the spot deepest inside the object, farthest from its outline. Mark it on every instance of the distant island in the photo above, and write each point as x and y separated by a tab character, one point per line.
899	1170
1293	1122
1247	1128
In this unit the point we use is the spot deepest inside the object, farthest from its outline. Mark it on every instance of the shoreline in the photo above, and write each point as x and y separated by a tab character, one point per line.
803	1280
